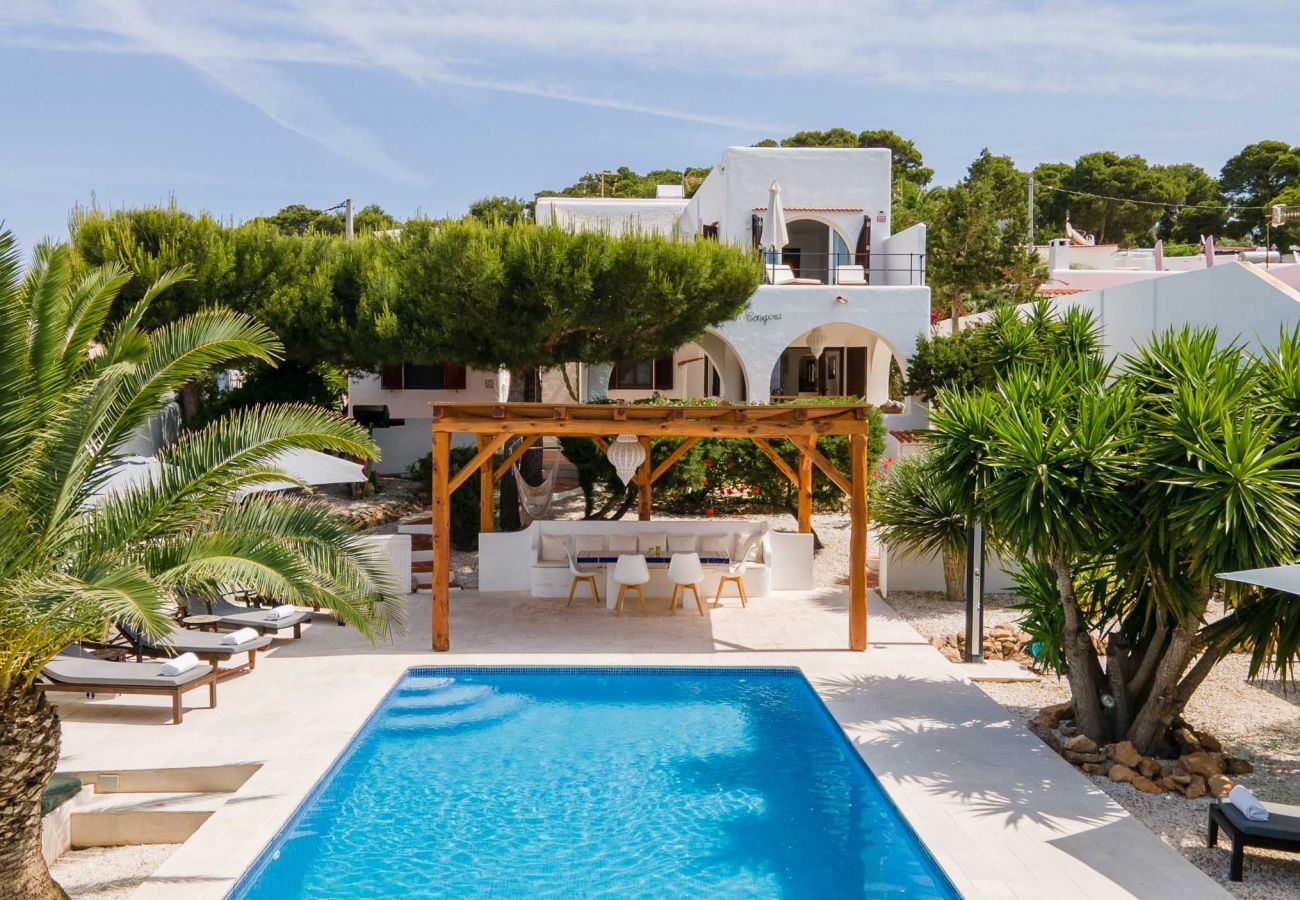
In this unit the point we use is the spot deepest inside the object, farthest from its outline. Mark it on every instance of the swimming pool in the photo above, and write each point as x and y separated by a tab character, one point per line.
630	782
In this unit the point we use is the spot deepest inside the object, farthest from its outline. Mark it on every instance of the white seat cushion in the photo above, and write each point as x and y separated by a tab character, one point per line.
683	543
716	543
623	543
553	548
648	541
587	543
748	547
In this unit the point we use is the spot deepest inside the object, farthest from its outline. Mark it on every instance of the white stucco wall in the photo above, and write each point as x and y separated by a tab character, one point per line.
611	215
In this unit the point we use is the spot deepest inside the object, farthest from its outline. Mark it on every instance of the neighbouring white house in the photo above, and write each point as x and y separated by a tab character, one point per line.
844	300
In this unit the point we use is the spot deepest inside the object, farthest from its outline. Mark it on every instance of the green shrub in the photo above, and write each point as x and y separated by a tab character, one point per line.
464	503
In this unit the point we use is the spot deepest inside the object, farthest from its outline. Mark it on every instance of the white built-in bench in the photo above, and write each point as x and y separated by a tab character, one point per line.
534	560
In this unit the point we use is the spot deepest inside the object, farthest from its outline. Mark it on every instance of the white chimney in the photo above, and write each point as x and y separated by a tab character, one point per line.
1058	255
670	192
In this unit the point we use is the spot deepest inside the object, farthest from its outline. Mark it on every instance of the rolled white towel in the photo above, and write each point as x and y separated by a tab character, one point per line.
283	611
1248	803
239	636
181	664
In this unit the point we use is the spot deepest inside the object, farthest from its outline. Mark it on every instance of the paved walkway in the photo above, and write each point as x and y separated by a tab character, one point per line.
1003	815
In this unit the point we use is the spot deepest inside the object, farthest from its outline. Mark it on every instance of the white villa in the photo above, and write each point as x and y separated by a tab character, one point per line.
844	273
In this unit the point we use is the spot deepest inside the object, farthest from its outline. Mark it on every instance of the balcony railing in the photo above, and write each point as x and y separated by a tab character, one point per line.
844	269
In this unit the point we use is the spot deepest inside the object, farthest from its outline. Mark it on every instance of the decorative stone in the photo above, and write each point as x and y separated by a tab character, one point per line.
1148	767
1204	764
1219	785
1147	786
1235	765
1122	774
1182	779
1167	783
1209	742
1076	757
1096	768
1195	788
1186	740
1126	754
1056	713
1081	743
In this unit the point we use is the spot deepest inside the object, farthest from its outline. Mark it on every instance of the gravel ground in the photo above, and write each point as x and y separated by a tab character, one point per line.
108	873
1256	720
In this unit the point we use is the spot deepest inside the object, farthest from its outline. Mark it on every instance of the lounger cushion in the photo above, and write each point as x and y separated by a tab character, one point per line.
105	674
748	547
1283	821
257	618
683	543
207	643
553	548
623	543
716	543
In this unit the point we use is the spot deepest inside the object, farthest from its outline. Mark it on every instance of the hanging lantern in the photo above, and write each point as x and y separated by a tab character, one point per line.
817	342
626	455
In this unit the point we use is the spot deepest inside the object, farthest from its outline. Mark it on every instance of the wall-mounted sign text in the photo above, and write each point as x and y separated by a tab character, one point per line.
762	318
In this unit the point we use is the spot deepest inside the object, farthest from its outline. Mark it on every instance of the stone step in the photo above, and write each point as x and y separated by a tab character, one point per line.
120	819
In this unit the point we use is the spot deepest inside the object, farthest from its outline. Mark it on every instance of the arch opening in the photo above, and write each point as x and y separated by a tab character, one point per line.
855	362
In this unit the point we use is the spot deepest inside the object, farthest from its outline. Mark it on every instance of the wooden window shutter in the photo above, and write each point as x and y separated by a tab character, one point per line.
390	377
664	374
453	378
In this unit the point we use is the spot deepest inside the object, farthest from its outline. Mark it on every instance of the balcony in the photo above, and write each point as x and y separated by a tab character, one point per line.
795	267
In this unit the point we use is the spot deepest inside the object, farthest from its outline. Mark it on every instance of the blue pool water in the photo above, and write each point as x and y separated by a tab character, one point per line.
597	782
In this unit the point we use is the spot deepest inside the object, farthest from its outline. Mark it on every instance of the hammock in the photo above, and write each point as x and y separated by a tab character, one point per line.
535	502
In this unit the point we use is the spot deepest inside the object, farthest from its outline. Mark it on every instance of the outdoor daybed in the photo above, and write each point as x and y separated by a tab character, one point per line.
84	674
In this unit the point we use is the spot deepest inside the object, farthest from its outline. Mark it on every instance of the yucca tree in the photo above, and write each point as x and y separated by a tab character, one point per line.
74	391
918	513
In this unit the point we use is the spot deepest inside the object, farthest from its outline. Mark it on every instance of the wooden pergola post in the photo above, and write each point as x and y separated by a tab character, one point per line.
858	542
441	522
486	484
805	491
645	484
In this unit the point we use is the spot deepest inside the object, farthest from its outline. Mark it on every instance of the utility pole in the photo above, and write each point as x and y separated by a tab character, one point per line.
347	219
1031	212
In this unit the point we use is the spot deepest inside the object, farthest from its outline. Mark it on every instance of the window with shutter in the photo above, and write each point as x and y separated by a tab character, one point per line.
453	378
390	377
664	374
423	378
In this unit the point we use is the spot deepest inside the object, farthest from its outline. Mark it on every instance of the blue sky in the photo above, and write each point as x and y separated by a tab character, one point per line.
239	108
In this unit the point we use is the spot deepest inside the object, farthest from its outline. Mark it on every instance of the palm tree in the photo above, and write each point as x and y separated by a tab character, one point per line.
918	513
74	392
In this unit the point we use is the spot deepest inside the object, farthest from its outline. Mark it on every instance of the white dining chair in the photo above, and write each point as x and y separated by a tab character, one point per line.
736	575
685	571
579	576
630	571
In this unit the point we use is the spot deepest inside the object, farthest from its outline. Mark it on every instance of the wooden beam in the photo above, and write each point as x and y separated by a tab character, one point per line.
654	428
804	486
441	520
601	443
645	482
485	451
486	485
776	459
513	458
809	448
858	543
667	464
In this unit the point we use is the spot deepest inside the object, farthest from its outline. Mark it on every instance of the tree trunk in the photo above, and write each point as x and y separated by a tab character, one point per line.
29	752
954	574
1082	659
1163	702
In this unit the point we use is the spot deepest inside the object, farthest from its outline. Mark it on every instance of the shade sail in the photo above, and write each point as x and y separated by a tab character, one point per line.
124	474
775	235
1279	578
312	467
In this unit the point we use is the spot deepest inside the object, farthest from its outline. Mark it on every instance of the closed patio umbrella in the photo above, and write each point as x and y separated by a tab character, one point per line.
863	249
775	235
756	230
1278	578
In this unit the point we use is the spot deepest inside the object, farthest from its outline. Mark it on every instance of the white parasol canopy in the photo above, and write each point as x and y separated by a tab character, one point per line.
775	235
1279	578
311	467
124	474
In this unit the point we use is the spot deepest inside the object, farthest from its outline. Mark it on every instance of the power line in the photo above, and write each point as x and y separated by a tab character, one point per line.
1228	208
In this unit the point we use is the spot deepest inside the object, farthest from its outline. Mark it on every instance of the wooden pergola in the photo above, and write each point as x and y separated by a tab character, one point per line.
494	424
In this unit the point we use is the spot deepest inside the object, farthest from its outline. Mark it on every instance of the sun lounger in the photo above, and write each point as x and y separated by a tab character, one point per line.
235	616
83	674
206	645
1280	832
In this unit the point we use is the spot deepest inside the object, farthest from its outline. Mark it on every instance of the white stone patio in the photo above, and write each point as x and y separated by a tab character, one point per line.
1002	814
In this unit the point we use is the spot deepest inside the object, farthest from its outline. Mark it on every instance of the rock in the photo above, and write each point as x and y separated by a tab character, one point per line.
1147	786
1121	773
1076	757
1081	743
1195	788
1126	754
1186	740
1219	785
1181	779
1167	783
1204	764
1148	767
1068	730
1056	713
1235	765
1096	768
1209	742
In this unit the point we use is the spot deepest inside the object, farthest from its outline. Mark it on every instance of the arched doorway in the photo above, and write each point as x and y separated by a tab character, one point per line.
854	362
816	249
